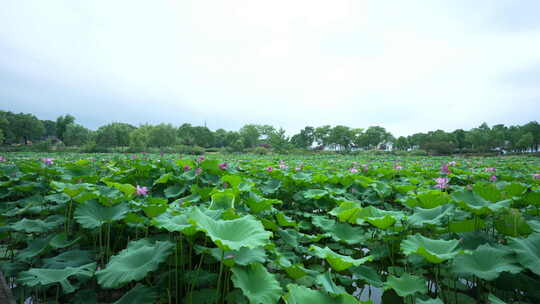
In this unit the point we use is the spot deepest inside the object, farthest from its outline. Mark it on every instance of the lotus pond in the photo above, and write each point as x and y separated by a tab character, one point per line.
118	228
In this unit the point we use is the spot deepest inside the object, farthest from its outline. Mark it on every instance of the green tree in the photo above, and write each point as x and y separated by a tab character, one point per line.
203	137
525	142
304	139
402	143
115	134
26	127
279	141
50	128
322	135
139	138
76	135
61	125
186	135
250	135
341	137
162	135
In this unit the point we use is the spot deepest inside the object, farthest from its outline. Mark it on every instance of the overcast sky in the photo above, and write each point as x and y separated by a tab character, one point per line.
410	66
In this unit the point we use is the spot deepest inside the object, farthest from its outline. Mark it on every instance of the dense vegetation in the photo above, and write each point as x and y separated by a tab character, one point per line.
319	229
24	128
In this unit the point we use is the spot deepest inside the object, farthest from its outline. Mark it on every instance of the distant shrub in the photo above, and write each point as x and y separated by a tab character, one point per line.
418	152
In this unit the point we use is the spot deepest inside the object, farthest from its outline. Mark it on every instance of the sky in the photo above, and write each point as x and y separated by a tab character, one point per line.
409	66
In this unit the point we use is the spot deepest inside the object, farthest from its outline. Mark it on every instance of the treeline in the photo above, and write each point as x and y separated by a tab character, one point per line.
27	129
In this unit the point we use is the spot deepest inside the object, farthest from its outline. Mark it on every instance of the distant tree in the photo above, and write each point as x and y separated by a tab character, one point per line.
220	138
115	134
375	135
322	135
26	127
139	138
459	136
525	142
250	135
5	118
186	134
61	125
203	137
76	135
402	143
341	137
304	139
50	128
278	141
162	135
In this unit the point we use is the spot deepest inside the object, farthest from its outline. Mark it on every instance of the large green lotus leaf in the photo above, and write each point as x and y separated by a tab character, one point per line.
154	206
38	226
139	294
302	295
222	200
466	225
348	212
430	199
328	285
133	263
315	193
284	220
429	301
435	251
346	233
257	284
406	285
382	222
379	218
258	204
35	247
42	276
72	258
476	204
488	191
297	271
528	251
368	275
270	186
514	189
337	261
127	189
92	214
173	222
174	190
513	224
485	262
60	240
433	216
246	231
163	179
244	256
533	197
494	300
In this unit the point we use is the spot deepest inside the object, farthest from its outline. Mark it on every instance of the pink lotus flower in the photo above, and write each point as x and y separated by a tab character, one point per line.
282	165
141	190
353	170
198	171
442	182
269	169
354	163
398	167
48	161
536	176
444	169
489	169
493	178
2	159
200	158
187	168
223	166
134	157
298	169
452	163
365	165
